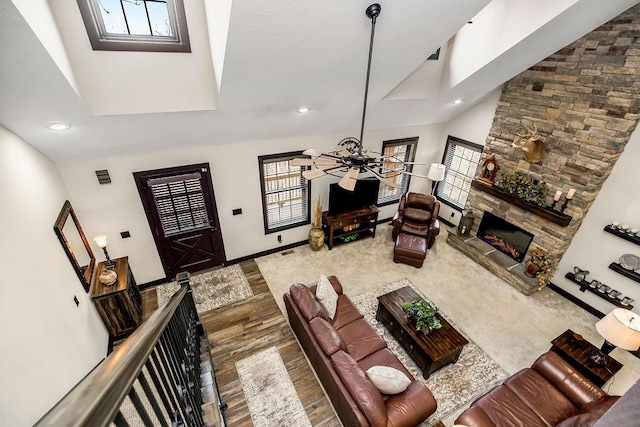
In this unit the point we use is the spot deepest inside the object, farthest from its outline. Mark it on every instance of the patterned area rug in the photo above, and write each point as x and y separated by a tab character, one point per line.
212	289
269	392
454	385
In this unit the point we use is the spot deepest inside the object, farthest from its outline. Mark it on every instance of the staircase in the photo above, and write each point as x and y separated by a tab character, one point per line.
162	375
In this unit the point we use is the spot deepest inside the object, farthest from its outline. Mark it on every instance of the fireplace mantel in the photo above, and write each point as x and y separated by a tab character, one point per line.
549	214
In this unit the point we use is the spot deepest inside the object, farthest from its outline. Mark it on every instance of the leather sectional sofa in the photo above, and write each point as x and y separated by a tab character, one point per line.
341	350
550	393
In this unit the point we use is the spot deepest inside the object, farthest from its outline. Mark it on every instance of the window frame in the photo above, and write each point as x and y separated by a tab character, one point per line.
272	158
452	140
466	144
406	180
102	40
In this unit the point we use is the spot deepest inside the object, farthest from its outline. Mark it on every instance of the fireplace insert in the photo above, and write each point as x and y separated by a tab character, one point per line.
504	236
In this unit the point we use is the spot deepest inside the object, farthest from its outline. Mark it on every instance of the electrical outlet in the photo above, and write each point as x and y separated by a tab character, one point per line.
237	211
279	238
125	234
453	214
75	299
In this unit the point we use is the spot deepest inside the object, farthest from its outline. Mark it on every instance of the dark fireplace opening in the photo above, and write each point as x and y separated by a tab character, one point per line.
504	236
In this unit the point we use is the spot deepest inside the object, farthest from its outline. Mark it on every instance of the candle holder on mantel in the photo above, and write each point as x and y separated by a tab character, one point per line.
567	198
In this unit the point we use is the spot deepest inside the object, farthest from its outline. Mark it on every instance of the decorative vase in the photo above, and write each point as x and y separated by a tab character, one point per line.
316	238
531	270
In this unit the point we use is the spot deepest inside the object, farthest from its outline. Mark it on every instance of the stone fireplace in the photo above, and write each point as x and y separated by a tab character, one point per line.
585	103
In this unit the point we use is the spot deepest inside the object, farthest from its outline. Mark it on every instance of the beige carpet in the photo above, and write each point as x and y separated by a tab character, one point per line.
269	392
453	385
511	328
212	289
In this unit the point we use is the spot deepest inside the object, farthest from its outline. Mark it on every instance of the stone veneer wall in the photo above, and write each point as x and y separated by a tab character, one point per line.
585	99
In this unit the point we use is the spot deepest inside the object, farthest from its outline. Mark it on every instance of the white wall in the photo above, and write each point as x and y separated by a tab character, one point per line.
116	207
593	249
48	344
472	125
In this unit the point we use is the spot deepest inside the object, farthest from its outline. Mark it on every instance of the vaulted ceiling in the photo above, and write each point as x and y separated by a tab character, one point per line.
253	63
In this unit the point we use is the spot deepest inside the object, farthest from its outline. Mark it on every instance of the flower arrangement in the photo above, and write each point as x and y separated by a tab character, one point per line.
545	262
423	314
317	214
523	186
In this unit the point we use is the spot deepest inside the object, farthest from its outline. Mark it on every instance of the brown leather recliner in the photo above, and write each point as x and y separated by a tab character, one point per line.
417	215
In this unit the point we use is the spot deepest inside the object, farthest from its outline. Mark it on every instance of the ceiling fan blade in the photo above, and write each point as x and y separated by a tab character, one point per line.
343	151
348	181
385	181
320	161
302	162
311	152
414	174
313	173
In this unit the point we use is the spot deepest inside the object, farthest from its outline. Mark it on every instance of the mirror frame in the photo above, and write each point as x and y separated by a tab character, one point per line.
67	210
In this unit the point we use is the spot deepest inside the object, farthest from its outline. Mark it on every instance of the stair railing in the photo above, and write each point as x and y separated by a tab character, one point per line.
151	379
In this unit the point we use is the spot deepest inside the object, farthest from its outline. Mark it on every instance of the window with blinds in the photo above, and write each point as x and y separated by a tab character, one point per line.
286	194
399	150
461	159
180	203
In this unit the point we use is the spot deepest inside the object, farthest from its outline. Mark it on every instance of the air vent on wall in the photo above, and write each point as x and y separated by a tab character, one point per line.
103	176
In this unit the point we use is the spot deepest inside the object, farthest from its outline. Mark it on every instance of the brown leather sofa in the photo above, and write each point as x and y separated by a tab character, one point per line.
418	216
341	350
550	393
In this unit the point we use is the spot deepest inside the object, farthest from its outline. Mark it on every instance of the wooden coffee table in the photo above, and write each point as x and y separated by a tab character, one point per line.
430	351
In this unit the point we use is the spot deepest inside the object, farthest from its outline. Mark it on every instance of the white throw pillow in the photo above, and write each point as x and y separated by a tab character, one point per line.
388	380
327	295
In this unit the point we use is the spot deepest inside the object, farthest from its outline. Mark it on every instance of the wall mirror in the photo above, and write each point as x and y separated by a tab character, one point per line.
75	244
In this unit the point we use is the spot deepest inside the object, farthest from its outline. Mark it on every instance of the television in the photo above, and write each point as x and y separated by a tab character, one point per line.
364	195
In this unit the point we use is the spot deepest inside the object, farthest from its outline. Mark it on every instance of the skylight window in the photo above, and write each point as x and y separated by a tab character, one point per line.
140	25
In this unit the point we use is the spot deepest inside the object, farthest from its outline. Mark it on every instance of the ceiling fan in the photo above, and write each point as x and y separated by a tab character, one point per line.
349	156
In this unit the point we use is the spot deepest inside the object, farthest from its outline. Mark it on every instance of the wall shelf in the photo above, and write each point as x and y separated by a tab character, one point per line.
623	235
549	214
626	273
584	286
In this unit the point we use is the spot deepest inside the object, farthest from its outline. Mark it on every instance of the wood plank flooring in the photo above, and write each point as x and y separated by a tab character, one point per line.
241	329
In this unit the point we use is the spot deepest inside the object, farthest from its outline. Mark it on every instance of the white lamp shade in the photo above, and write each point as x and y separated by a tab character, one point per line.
621	328
436	172
101	240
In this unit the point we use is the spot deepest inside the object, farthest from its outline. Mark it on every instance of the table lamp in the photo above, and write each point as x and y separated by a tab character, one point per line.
101	241
619	328
436	174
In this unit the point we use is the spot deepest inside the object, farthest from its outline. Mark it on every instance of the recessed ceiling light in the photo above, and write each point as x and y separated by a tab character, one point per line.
457	101
303	110
58	126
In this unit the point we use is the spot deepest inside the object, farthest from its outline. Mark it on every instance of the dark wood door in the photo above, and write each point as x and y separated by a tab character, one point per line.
181	210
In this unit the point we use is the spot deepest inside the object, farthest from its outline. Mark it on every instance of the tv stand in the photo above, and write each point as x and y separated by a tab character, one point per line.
349	226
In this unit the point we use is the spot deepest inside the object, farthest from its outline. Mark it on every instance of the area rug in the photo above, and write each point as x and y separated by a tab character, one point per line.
454	385
269	392
212	289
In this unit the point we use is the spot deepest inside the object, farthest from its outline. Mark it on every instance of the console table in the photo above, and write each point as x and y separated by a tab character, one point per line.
349	226
576	350
120	304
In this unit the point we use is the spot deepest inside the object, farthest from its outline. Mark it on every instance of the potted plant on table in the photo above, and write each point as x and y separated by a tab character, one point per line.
540	265
423	314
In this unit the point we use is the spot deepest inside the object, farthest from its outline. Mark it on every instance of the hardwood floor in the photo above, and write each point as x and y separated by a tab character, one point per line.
238	330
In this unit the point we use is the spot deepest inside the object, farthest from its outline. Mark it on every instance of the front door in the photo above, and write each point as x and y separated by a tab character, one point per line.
181	210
